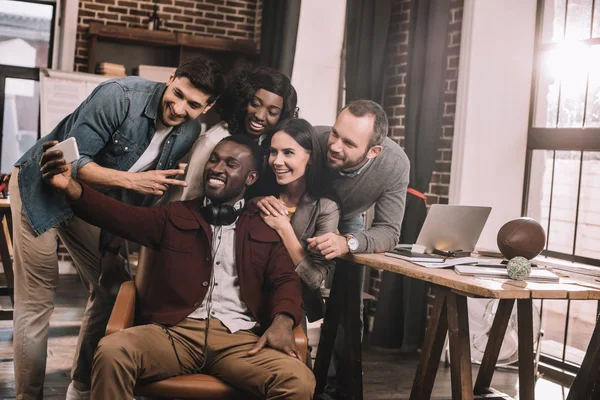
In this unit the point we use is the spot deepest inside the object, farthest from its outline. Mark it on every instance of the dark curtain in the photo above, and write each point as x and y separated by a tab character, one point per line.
367	25
401	314
278	34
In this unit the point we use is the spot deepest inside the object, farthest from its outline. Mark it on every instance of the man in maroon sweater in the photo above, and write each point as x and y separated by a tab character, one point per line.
220	275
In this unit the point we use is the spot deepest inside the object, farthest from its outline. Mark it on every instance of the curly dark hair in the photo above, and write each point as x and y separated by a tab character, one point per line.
244	80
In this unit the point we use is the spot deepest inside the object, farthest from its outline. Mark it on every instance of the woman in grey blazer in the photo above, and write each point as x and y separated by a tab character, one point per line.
295	158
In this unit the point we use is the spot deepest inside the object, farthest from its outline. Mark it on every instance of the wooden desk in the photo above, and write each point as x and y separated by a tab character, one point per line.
6	254
449	314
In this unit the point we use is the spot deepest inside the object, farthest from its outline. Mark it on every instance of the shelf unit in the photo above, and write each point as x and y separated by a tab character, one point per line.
133	46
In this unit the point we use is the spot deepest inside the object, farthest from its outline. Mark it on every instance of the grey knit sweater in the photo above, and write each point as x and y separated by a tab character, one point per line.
383	183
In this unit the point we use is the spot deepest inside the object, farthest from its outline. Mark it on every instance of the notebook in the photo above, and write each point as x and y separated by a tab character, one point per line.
412	256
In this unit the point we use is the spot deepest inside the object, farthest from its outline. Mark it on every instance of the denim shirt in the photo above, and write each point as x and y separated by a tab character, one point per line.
113	128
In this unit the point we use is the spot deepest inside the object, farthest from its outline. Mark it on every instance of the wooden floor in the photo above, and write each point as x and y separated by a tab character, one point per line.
387	375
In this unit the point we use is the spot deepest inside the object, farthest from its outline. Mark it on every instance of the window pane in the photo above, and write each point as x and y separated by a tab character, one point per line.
553	322
579	19
592	113
25	33
546	100
588	229
582	319
540	185
20	126
554	20
596	24
572	64
564	201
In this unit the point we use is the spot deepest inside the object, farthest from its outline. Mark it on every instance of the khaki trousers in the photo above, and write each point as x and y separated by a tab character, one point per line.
153	352
36	278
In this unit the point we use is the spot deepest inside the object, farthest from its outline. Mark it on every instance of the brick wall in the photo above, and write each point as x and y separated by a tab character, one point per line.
395	98
239	19
213	18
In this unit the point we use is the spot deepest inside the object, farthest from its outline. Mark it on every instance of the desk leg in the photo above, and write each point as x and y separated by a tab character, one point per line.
526	370
352	330
333	311
492	349
460	348
433	345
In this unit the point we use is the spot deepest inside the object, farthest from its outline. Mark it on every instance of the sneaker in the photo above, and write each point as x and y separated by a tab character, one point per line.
74	394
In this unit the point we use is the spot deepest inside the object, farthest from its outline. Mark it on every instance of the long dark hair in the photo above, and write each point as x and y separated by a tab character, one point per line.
243	82
304	134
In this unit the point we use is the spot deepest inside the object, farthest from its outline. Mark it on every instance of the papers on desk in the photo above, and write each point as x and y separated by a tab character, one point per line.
450	262
482	271
432	261
414	257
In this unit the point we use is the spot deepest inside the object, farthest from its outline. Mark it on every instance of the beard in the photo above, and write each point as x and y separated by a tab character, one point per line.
350	164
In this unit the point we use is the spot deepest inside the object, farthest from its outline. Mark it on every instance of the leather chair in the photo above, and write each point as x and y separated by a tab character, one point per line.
193	386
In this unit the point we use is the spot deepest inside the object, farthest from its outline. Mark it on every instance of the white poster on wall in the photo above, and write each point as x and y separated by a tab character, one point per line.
61	93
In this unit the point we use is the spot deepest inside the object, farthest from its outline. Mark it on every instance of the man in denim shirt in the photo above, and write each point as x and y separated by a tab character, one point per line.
130	132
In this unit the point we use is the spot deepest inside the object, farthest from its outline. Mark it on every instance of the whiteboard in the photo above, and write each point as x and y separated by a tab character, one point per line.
61	93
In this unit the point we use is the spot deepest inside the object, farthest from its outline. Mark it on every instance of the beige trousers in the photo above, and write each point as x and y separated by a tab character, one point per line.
36	278
153	352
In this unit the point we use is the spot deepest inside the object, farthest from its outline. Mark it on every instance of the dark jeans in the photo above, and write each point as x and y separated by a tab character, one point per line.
335	387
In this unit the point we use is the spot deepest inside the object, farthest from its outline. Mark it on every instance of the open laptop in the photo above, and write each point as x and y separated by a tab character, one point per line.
448	228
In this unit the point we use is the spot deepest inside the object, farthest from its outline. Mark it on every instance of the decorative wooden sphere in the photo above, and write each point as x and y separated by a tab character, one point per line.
523	237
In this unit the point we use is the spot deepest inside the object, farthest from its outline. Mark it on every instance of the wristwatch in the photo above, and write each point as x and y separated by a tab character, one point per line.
352	243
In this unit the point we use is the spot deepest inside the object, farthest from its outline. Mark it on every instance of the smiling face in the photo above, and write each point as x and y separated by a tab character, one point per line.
227	173
348	146
182	102
287	158
263	113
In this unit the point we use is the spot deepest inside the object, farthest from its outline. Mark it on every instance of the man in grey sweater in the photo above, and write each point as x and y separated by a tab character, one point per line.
365	168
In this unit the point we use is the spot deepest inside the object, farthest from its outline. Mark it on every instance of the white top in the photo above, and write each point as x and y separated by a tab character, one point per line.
225	302
150	157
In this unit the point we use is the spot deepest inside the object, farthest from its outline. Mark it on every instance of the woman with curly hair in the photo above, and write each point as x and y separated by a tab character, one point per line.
256	99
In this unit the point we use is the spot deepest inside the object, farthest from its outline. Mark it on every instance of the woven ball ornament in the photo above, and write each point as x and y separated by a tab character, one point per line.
518	268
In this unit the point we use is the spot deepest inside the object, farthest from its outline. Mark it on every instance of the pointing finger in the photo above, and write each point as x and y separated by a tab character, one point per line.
172	172
175	182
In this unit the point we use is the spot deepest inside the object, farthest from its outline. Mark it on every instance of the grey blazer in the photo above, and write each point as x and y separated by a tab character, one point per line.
314	218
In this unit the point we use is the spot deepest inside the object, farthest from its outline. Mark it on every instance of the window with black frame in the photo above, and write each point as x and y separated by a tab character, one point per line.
26	42
562	181
563	188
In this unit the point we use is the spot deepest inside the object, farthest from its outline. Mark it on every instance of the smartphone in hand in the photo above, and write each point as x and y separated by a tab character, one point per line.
68	148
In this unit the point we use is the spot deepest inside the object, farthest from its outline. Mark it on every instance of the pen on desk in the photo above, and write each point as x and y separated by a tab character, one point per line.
491	265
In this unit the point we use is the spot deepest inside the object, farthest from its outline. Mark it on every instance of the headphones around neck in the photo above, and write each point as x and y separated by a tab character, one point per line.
220	214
